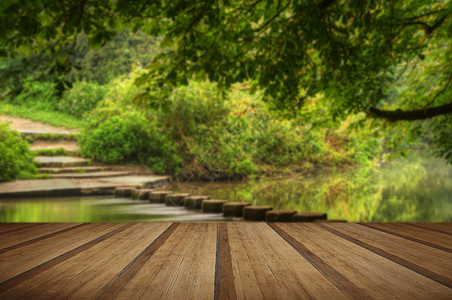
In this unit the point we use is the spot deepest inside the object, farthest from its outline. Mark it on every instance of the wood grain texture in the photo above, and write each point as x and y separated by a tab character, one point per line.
112	288
224	276
32	268
445	228
20	239
296	277
377	276
235	260
82	275
422	259
420	235
187	259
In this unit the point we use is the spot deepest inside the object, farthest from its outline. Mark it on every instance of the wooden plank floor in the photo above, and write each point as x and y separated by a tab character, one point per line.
226	261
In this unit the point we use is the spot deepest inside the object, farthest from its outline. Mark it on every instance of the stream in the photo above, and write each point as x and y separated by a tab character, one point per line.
415	189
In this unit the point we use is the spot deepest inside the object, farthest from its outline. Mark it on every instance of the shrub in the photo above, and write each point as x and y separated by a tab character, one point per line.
40	95
130	137
16	159
81	98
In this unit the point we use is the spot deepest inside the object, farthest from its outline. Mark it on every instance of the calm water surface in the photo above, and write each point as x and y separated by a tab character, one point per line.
413	190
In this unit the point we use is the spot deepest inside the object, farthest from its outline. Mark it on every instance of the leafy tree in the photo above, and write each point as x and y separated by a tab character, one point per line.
360	54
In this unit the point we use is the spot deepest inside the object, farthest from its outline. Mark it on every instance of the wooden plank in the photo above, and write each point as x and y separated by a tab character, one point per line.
32	236
82	276
295	276
195	278
251	278
422	259
113	287
338	280
375	275
224	276
12	227
445	228
157	276
15	262
420	235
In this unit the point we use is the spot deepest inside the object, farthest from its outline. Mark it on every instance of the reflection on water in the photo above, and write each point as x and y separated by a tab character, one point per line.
97	209
413	190
403	190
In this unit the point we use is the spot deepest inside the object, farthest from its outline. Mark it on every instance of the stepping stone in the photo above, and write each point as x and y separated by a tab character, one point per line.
194	202
308	217
255	213
214	206
61	161
234	209
124	192
91	174
158	196
330	221
280	215
141	194
176	199
74	169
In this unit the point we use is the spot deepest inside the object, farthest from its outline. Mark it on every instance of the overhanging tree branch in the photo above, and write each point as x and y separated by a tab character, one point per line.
411	115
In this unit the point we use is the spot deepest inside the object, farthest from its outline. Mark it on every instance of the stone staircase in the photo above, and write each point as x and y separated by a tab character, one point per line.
71	175
66	166
75	167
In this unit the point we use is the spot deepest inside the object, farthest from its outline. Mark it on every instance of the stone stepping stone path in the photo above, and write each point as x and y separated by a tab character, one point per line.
236	210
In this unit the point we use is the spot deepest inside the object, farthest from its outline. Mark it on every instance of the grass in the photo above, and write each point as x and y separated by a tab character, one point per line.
52	152
48	117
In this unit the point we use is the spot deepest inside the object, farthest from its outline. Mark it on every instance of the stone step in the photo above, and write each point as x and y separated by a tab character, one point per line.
280	215
52	136
61	161
158	196
141	194
194	202
255	213
309	217
81	169
70	146
91	174
213	205
124	191
234	209
176	199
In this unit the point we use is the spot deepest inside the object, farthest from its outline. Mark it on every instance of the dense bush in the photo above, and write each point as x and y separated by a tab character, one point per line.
117	132
16	160
207	136
38	94
82	97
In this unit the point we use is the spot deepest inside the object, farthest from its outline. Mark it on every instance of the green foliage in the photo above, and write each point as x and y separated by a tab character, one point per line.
48	117
390	59
52	152
117	132
39	95
16	160
127	138
234	138
117	57
82	97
